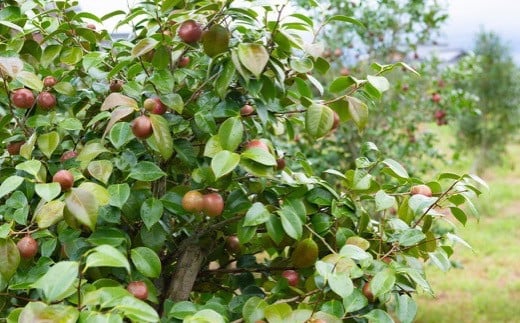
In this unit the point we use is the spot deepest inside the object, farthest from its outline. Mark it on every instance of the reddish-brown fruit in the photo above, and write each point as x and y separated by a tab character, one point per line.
46	100
336	121
436	97
416	55
13	148
439	114
65	178
338	52
190	31
233	244
192	201
184	61
291	276
154	105
212	204
387	260
23	98
116	86
257	143
247	110
28	247
142	127
91	26
326	53
421	189
49	81
405	87
68	155
367	292
138	289
280	163
344	71
441	84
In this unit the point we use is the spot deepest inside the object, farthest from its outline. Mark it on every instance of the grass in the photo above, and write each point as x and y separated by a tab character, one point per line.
487	288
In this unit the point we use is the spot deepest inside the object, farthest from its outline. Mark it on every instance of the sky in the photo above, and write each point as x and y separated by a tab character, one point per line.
467	17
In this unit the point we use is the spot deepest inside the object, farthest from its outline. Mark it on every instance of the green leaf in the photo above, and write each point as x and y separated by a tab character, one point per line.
9	258
10	184
161	137
319	119
151	212
65	88
119	194
116	115
116	99
341	83
48	191
40	312
384	201
440	259
100	193
71	55
224	162
120	134
48	143
212	147
137	310
31	167
143	46
354	252
275	229
358	112
230	133
253	309
277	313
291	222
146	261
30	80
90	152
182	309
253	57
225	78
383	282
406	308
260	156
257	215
106	256
49	214
58	282
341	284
100	170
81	206
205	316
378	316
27	148
411	237
396	170
379	82
344	18
146	171
355	301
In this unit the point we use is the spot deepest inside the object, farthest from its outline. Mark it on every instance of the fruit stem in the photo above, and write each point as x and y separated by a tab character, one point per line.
321	238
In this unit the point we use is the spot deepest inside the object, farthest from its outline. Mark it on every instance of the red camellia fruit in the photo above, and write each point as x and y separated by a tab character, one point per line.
91	26
212	204
367	292
233	244
13	148
338	52
142	127
344	71
65	178
23	98
436	97
49	81
46	100
190	31
138	289
280	164
116	86
154	105
439	114
257	143
28	247
421	189
192	201
183	61
405	87
291	276
68	155
247	110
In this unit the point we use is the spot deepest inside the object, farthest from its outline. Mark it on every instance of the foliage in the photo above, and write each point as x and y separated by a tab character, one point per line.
358	241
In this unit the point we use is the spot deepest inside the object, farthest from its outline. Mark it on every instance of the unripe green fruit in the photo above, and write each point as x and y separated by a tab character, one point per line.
305	254
215	40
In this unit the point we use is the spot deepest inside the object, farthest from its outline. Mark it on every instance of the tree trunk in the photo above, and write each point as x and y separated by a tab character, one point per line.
186	271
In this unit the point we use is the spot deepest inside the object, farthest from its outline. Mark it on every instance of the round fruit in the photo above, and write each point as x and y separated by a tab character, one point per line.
65	178
367	292
190	31
184	61
13	148
192	201
338	52
291	276
436	97
257	143
49	81
28	247
336	121
233	244
280	164
305	254
212	204
247	110
142	127
91	26
344	71
421	189
116	86
326	53
23	98
138	289
46	100
405	87
215	40
68	155
154	105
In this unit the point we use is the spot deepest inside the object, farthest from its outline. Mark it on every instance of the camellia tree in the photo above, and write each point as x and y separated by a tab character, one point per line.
143	179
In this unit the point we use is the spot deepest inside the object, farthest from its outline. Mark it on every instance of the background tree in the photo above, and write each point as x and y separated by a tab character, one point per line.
145	178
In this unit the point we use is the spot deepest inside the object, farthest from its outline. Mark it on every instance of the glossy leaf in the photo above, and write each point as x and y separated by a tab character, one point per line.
256	215
10	184
58	282
48	143
82	206
146	261
319	119
106	256
100	170
254	57
161	137
9	258
151	212
224	162
230	134
146	171
383	282
48	191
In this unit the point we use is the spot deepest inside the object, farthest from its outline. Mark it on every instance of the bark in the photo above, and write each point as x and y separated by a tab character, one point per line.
186	271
